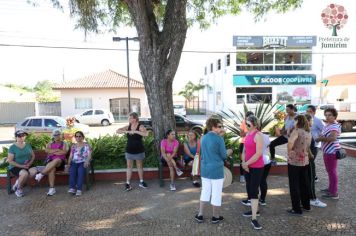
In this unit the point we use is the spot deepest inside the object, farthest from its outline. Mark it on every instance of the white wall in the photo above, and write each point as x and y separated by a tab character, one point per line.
100	98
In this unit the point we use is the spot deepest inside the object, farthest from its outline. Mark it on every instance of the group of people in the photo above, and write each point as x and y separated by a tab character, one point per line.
303	134
21	158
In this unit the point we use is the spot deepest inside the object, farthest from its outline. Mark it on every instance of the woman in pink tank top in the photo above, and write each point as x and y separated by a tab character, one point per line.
252	163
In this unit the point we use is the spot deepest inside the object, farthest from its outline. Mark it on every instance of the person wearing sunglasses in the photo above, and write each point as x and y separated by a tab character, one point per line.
329	145
213	155
79	160
253	164
56	159
298	164
20	158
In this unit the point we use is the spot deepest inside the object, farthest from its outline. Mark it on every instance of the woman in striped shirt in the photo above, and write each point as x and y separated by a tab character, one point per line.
330	144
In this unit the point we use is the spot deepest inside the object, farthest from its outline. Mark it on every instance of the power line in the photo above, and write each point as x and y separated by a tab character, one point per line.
136	50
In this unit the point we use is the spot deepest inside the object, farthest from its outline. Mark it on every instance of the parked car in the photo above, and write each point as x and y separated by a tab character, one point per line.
182	124
46	124
180	110
95	117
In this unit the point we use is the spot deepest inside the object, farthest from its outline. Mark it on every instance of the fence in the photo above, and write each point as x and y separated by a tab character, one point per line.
14	112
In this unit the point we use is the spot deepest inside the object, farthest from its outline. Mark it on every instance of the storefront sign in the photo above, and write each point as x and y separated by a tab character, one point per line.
273	41
289	79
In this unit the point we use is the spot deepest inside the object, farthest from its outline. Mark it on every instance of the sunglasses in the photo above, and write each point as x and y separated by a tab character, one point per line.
248	125
56	135
79	136
21	135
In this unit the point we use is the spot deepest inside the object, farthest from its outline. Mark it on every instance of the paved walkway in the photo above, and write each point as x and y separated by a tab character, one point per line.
107	210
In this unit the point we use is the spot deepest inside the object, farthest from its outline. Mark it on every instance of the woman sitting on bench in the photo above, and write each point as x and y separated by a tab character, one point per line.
57	151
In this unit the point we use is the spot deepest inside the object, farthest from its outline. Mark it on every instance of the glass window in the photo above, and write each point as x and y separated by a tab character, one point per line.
179	119
83	103
211	68
205	70
228	60
24	123
240	99
35	123
258	98
218	65
88	113
50	123
306	58
99	112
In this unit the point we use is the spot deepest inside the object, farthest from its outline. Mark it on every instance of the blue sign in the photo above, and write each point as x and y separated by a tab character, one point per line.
273	41
289	79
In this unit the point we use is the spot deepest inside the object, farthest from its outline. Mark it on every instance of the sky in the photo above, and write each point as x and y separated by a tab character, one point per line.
23	24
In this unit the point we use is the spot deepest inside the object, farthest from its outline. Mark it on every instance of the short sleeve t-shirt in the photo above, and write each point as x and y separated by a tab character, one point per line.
21	155
80	154
169	147
331	147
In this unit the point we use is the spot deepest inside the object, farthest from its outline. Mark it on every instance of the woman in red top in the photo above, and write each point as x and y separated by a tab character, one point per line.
252	162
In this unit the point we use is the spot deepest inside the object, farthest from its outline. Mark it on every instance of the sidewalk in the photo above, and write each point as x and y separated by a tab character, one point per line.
107	210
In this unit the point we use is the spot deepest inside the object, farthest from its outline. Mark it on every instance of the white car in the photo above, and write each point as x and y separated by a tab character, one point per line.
180	110
46	125
95	116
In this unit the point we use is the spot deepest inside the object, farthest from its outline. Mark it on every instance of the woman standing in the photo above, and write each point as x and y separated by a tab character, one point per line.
169	149
330	144
214	154
20	158
298	164
135	151
252	162
243	132
57	151
190	150
79	160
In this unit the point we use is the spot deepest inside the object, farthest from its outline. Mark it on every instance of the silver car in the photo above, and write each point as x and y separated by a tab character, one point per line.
46	124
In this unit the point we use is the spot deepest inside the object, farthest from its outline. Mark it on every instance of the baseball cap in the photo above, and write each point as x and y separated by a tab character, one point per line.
56	132
20	132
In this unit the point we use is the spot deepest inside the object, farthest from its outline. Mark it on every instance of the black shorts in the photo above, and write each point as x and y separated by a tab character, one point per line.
16	171
60	167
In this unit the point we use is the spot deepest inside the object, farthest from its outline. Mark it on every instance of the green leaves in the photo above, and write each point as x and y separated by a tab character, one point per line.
38	141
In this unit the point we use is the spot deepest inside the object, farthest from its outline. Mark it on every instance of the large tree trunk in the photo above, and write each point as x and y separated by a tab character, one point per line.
159	56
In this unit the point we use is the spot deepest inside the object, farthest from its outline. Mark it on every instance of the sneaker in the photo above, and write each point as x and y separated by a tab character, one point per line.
326	190
242	179
316	179
246	202
179	172
172	187
317	203
128	187
331	196
72	191
306	209
143	185
38	177
199	218
215	220
249	214
19	193
51	192
256	225
273	163
293	212
78	193
196	184
14	187
262	202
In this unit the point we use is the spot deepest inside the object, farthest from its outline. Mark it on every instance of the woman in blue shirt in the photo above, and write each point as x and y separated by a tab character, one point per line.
213	155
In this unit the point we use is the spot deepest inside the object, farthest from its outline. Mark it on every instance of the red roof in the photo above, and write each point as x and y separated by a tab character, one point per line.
341	79
106	79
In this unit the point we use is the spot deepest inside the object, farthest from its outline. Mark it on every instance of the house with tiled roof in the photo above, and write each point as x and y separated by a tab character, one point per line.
105	90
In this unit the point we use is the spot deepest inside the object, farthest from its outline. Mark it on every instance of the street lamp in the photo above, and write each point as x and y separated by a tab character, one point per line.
118	39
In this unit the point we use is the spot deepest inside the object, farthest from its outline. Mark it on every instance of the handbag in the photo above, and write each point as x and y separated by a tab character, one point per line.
341	154
196	162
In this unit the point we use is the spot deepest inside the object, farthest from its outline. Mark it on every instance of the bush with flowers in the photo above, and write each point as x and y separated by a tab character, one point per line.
70	130
279	117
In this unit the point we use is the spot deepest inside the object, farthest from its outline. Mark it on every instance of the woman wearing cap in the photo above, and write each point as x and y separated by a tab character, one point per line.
57	151
252	162
20	160
213	155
